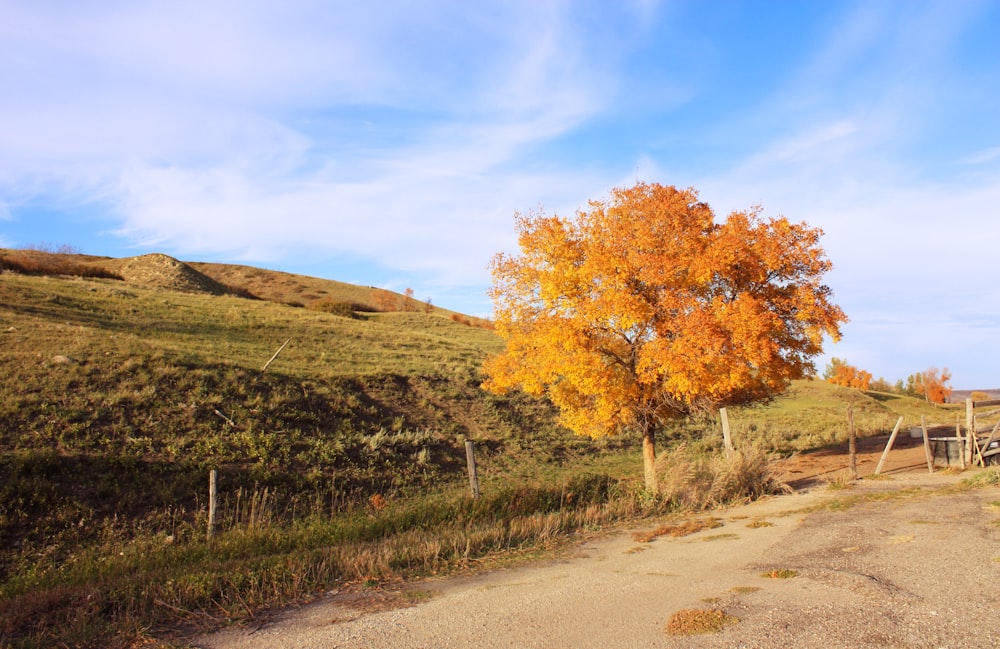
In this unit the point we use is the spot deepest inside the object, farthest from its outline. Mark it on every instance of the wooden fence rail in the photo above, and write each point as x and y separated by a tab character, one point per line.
975	452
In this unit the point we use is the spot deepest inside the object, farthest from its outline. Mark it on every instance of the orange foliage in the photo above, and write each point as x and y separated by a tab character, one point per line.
848	376
643	309
934	384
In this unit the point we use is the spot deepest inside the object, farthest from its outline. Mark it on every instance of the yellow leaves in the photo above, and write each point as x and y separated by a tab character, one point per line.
644	304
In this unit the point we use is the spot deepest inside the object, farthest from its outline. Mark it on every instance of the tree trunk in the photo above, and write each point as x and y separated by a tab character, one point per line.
649	459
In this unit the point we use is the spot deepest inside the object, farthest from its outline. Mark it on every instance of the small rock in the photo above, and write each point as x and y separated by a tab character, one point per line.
59	359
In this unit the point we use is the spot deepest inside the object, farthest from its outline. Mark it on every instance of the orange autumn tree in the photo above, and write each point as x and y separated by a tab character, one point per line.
642	310
839	372
933	384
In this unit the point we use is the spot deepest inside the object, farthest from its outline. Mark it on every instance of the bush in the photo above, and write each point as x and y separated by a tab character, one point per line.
342	309
693	480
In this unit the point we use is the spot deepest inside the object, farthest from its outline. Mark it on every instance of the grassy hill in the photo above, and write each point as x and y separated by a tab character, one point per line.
123	382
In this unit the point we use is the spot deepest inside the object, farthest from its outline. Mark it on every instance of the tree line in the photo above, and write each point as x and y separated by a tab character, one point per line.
932	384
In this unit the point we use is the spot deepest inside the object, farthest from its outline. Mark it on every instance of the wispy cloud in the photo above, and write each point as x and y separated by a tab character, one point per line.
405	135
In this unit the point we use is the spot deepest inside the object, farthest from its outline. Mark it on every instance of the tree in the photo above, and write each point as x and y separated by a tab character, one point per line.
881	385
933	384
840	372
642	310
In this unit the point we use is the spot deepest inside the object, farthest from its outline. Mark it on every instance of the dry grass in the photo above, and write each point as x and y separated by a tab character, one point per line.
780	573
744	590
699	621
840	480
681	529
759	524
40	262
696	480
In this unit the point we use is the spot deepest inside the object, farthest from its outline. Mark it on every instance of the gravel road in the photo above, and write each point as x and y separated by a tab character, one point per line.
915	571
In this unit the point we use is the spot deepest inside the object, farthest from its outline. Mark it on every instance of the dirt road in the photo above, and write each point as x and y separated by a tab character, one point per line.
916	570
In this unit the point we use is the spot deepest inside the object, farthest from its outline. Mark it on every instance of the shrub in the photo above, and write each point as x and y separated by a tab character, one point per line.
692	480
342	309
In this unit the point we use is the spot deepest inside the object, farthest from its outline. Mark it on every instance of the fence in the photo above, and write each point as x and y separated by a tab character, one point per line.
988	451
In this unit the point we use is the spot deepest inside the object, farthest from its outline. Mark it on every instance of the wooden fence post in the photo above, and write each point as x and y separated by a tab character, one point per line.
927	445
212	504
727	439
970	428
888	446
470	457
852	444
960	440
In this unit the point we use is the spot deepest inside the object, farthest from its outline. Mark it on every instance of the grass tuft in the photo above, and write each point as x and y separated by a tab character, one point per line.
744	590
696	480
699	621
780	573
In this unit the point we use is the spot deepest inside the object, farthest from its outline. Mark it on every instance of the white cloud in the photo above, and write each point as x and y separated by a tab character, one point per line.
255	130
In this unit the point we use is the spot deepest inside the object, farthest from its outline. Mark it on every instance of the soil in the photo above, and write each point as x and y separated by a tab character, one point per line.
898	561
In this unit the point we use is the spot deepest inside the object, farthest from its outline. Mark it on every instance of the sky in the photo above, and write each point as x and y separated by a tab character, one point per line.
391	143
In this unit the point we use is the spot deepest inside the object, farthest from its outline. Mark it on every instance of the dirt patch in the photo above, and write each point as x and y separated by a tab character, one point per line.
809	469
164	272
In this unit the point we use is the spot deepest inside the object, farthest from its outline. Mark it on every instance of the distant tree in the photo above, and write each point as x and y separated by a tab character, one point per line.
831	368
840	372
643	309
881	385
933	384
980	396
408	300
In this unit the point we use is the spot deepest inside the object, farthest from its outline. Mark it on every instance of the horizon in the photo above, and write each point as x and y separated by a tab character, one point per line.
392	146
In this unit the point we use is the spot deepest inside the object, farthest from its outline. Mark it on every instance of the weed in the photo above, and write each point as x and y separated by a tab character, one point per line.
780	573
840	480
759	524
744	590
698	621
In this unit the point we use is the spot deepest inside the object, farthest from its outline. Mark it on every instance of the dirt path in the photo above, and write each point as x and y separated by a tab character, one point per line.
915	571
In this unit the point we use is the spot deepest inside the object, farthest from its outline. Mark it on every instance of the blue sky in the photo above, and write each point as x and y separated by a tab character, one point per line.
391	143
